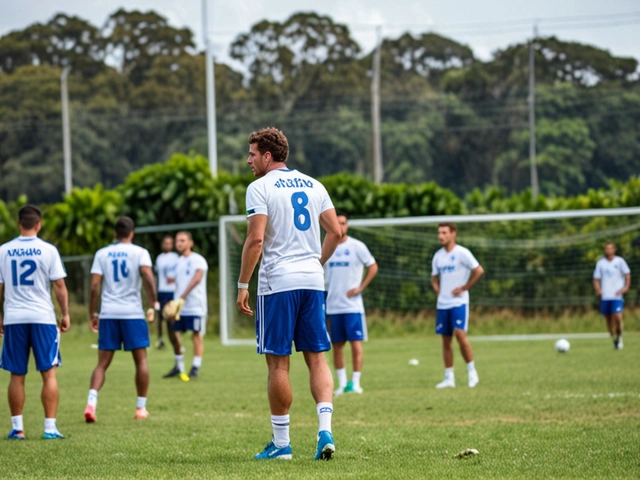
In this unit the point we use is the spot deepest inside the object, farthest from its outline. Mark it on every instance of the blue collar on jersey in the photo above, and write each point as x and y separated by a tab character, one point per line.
284	170
26	239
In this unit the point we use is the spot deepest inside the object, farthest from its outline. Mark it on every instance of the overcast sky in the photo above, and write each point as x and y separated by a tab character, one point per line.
606	24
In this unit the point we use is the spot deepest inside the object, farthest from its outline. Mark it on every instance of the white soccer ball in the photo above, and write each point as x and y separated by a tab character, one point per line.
414	361
562	346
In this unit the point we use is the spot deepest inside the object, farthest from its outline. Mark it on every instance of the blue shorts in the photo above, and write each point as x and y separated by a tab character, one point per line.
114	333
347	327
448	319
608	307
189	323
296	316
164	298
19	338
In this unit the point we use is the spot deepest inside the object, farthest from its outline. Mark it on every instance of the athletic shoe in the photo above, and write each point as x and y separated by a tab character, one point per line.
141	413
16	435
160	344
351	388
271	452
447	384
620	345
90	414
193	372
338	391
325	447
52	435
473	378
174	372
184	377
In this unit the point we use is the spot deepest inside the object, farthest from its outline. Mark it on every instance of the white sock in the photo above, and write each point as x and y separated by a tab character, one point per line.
16	423
141	402
197	362
50	425
93	398
448	374
180	363
280	424
471	366
342	377
325	410
355	379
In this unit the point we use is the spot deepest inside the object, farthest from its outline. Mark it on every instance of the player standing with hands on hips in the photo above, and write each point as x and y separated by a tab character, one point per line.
119	270
285	209
28	266
611	280
343	276
454	271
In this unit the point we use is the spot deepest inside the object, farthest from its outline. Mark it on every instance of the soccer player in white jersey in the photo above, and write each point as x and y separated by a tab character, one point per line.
611	280
454	271
119	269
191	289
165	265
345	283
285	209
28	266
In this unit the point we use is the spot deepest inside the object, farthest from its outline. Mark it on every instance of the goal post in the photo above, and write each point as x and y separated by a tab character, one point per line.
533	260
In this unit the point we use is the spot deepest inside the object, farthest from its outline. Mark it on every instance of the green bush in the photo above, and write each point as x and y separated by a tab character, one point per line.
9	218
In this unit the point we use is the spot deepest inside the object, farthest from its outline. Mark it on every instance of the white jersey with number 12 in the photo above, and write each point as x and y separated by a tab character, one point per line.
293	202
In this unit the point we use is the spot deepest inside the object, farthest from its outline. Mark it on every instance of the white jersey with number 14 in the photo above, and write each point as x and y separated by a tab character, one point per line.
293	202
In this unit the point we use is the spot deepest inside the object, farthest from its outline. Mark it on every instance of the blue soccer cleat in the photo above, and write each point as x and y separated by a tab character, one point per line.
16	435
52	435
271	452
325	448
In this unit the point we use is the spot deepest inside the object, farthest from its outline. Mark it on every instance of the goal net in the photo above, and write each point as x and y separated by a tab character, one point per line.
532	261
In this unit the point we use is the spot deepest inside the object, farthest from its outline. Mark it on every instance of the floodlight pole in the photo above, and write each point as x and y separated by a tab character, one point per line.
66	130
532	117
378	169
211	95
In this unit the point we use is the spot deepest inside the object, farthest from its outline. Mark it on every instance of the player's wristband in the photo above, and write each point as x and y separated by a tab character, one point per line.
243	285
156	306
95	315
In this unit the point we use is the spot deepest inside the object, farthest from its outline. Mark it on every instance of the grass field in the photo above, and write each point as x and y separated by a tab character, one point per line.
535	414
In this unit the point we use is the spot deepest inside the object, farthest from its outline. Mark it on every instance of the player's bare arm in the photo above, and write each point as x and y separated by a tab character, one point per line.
62	296
627	285
1	320
476	273
94	294
149	283
372	271
251	252
329	221
435	284
597	286
197	278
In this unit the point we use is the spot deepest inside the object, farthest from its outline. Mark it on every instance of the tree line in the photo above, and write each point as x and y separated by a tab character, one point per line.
137	90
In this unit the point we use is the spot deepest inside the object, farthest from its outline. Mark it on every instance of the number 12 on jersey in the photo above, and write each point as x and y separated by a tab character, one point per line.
301	216
24	280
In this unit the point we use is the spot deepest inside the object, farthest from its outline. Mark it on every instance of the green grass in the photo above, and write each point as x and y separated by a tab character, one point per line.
535	414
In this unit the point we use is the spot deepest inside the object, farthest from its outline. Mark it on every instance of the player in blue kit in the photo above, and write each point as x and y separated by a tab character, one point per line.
119	270
28	266
285	209
611	280
454	271
345	308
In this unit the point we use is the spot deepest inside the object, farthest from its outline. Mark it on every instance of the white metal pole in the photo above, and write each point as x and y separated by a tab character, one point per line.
532	117
211	95
378	169
66	130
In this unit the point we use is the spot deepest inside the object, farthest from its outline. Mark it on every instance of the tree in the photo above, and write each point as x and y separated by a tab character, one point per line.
134	39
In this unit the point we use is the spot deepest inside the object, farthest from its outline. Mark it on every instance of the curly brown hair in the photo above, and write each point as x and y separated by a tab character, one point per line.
271	140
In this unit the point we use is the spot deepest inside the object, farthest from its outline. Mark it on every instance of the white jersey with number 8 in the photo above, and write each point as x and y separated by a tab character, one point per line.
119	264
293	202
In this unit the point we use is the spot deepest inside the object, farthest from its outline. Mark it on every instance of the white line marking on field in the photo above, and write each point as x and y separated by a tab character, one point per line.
538	336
